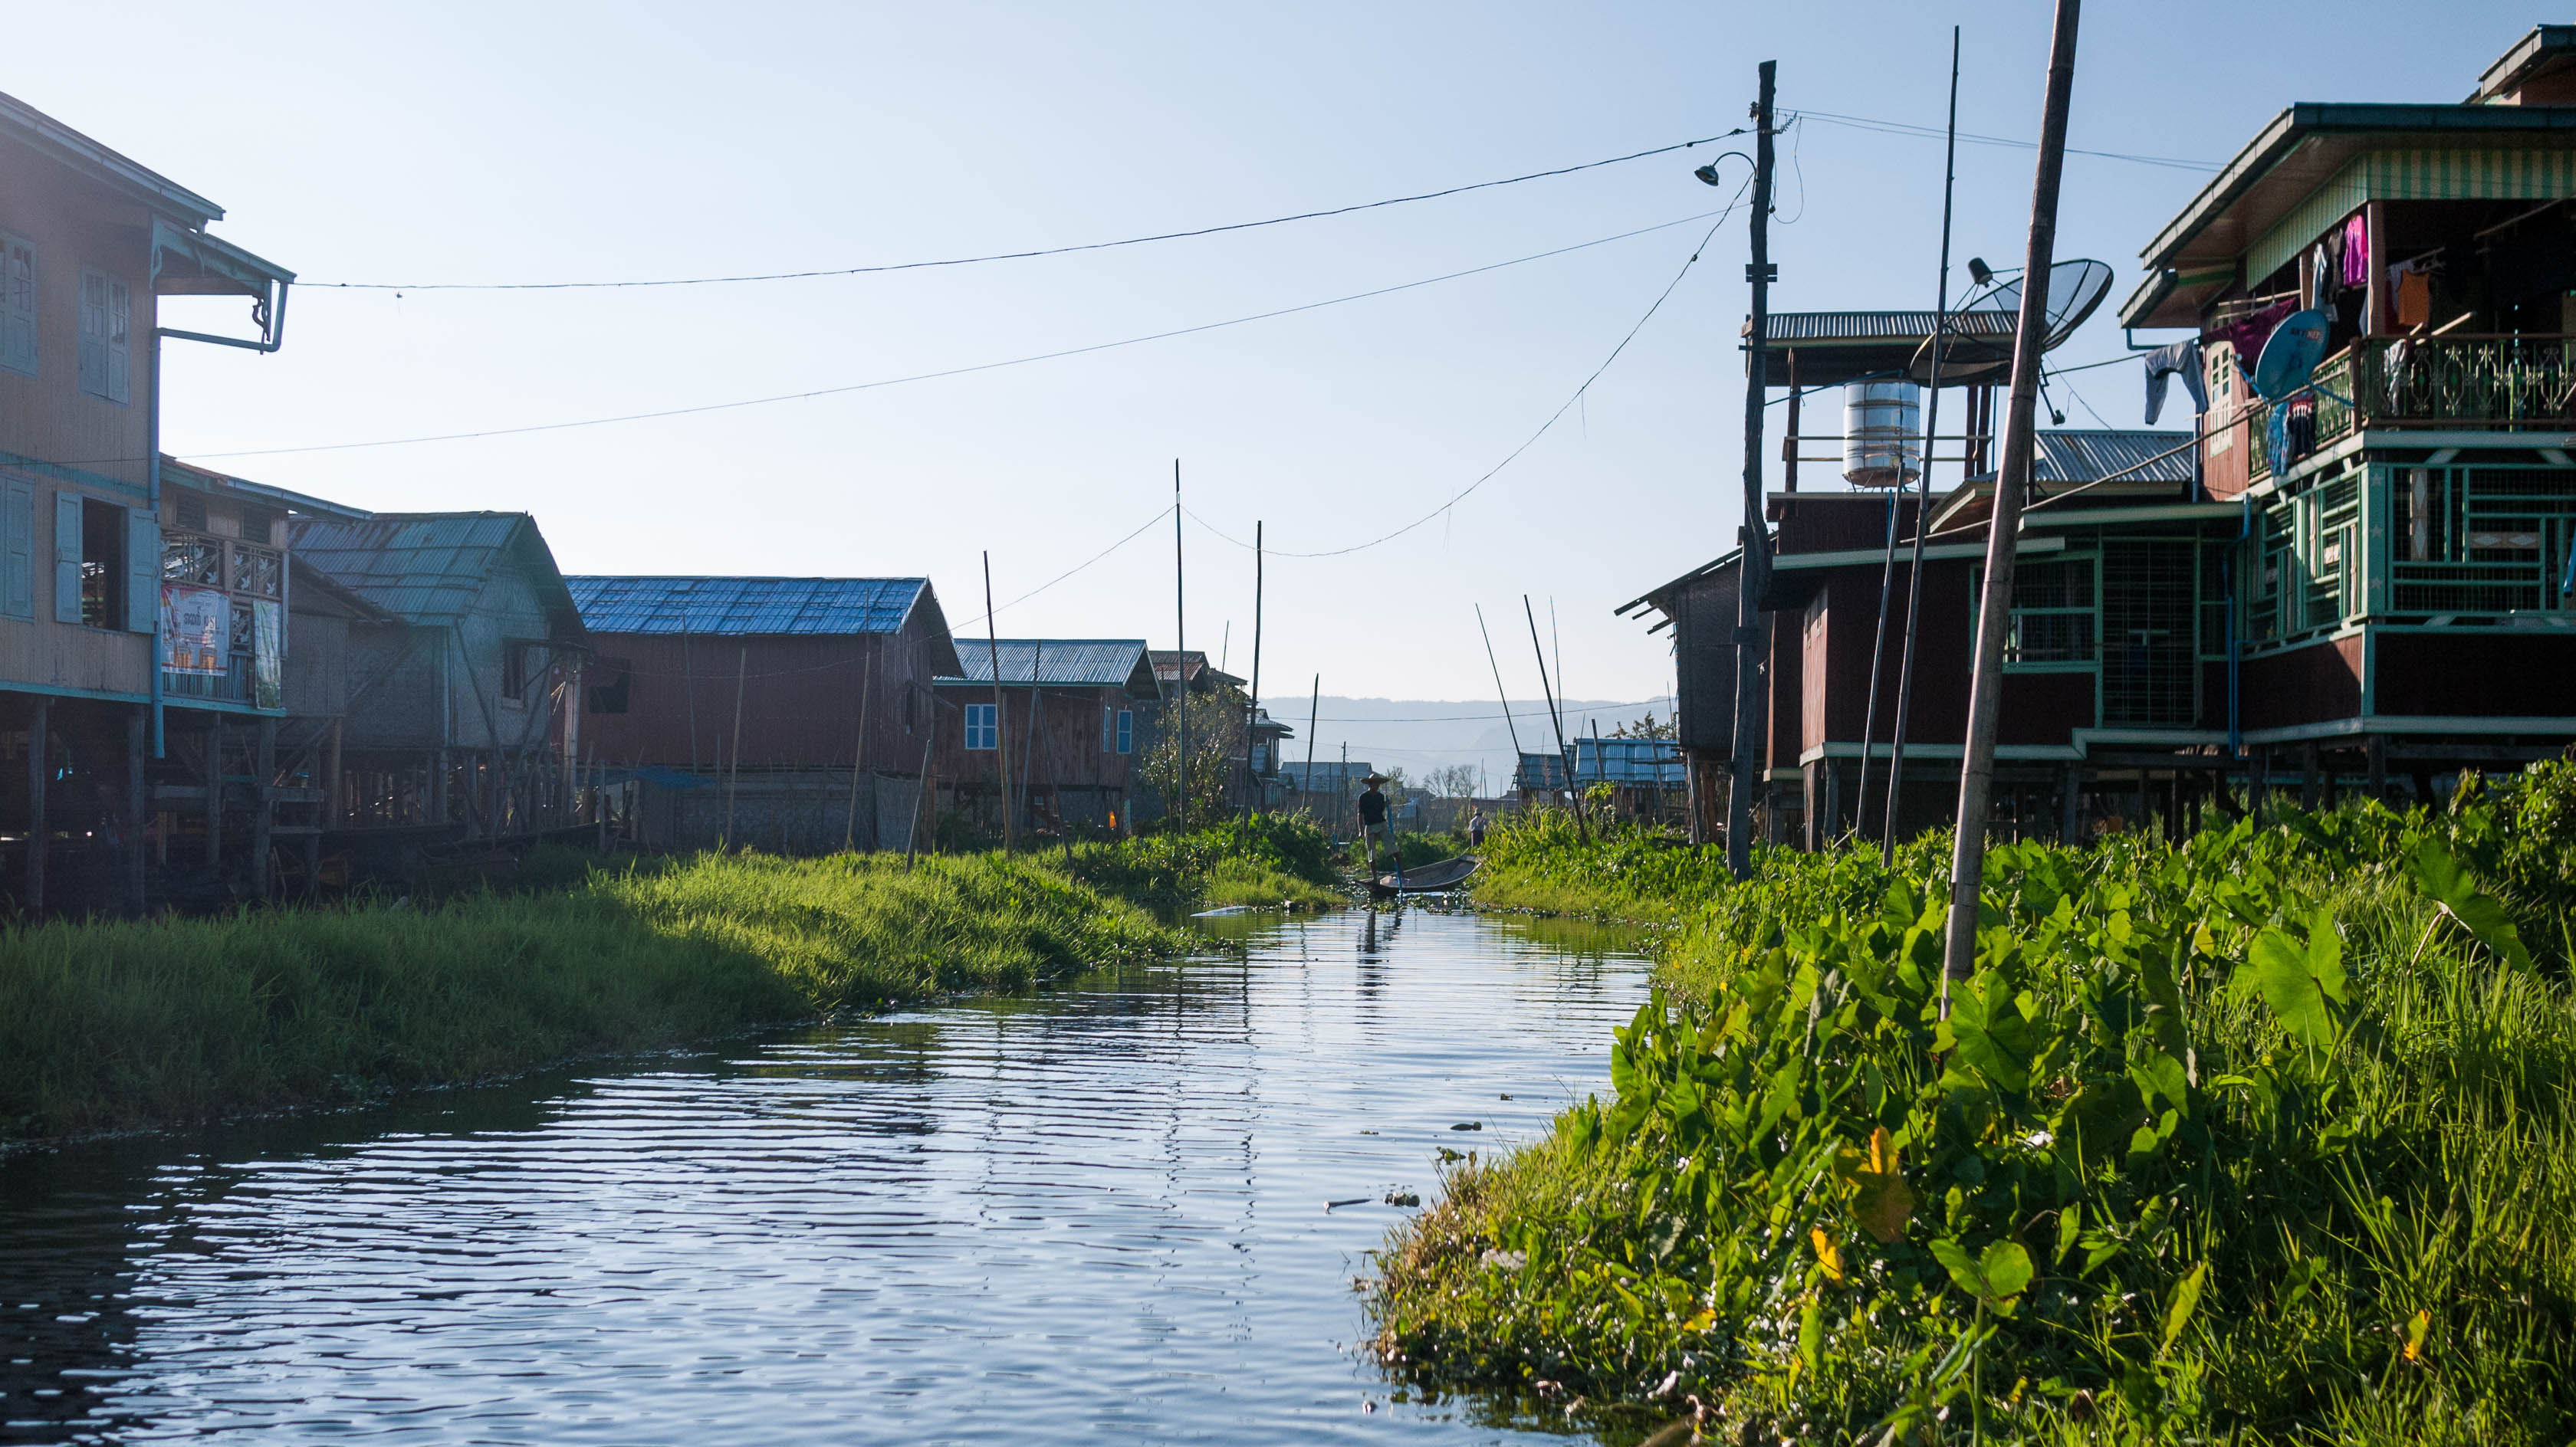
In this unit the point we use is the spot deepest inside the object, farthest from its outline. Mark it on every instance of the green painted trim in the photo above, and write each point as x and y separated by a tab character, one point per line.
77	477
98	695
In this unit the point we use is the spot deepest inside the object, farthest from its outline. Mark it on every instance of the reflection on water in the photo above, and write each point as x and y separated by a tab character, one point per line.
1093	1213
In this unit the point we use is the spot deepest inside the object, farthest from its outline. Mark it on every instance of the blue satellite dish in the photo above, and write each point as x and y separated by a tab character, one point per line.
2291	356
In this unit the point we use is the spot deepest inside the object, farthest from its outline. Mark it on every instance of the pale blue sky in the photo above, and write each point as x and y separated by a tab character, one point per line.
466	142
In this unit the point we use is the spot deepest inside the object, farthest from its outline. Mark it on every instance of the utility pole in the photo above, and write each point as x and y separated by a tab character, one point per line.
1753	574
1001	735
2012	482
1922	494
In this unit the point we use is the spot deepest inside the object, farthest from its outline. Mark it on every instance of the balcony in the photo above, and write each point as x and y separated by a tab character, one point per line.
2452	382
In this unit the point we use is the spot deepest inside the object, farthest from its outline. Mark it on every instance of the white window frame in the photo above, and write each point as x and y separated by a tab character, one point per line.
18	349
983	722
106	336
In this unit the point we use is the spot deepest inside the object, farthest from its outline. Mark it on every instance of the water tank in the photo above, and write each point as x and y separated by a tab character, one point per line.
1882	433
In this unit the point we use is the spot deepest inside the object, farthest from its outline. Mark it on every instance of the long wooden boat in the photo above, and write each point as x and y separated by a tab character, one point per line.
1432	878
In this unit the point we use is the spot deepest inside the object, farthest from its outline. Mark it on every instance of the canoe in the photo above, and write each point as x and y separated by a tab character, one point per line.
1432	878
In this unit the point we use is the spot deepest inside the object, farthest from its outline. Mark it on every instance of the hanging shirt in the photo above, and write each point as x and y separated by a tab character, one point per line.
2412	284
2356	251
2163	364
2248	334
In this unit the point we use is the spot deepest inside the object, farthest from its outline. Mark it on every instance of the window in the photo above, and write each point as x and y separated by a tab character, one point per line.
982	729
188	510
2053	616
258	524
518	662
1126	731
18	558
106	367
616	681
102	564
17	303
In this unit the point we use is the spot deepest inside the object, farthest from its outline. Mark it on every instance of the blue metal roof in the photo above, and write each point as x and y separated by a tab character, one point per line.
1627	761
766	606
428	568
1064	662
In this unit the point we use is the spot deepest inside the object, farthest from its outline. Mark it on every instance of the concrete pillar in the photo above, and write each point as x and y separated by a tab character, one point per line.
32	895
2378	746
2070	805
2308	779
1811	787
334	800
214	791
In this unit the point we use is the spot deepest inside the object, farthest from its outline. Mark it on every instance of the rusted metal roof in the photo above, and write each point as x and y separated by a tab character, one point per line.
429	568
745	606
1057	662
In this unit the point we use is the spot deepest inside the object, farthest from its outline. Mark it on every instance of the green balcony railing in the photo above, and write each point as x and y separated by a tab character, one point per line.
2520	380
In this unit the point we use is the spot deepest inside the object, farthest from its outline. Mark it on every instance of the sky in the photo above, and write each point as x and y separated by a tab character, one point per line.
471	143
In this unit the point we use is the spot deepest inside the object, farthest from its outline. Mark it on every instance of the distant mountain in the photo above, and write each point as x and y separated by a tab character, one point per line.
1426	734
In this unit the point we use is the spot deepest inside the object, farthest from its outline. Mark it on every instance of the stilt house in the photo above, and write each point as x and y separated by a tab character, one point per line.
1066	716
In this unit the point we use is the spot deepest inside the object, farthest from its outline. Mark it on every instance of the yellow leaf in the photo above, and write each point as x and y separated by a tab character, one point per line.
2202	941
2416	1325
1701	1321
1879	1196
1826	1256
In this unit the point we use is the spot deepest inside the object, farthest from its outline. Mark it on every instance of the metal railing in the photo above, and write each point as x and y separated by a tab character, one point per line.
2501	381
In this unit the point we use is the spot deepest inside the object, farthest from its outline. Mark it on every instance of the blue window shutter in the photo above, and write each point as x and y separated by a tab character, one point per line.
17	304
18	551
142	571
1126	731
120	360
93	333
67	557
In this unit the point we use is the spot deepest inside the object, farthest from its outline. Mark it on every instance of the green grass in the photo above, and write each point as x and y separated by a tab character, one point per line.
1544	862
2270	1137
122	1025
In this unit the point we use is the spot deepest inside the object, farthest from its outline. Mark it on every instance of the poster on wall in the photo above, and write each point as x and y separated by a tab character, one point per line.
196	629
268	653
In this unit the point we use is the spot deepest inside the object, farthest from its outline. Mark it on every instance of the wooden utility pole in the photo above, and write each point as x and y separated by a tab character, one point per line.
1252	706
1001	736
1753	574
2012	482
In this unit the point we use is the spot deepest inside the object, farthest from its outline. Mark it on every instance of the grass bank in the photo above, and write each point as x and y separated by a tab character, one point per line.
121	1025
1542	861
2269	1137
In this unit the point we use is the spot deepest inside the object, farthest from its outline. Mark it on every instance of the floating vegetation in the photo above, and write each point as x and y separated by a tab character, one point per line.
2268	1136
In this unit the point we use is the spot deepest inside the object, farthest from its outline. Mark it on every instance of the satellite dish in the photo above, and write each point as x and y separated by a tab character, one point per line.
2291	356
2075	290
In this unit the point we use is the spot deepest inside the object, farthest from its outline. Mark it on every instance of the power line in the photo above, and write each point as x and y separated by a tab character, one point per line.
1543	428
1908	128
948	371
1013	255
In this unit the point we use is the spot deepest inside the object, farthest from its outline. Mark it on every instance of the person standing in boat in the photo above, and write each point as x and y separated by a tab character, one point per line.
1373	823
1476	828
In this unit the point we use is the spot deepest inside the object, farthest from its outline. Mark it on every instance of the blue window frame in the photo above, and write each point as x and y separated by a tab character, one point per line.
1126	731
983	730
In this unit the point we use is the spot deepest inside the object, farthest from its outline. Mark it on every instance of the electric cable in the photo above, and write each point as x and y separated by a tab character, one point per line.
1908	128
1543	428
1013	255
941	373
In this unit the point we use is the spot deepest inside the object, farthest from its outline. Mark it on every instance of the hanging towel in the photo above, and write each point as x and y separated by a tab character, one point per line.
2163	364
2356	251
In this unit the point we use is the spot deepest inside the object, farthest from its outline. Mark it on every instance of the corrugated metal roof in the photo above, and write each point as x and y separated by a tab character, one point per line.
1328	773
428	568
1627	761
766	606
1879	326
1070	662
2068	456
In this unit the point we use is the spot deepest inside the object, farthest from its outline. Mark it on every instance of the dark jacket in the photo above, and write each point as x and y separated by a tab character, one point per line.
1372	808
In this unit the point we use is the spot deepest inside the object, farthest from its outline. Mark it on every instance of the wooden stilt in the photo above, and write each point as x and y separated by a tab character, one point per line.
39	770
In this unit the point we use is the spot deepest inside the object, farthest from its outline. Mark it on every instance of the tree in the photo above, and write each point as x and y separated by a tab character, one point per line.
1457	781
1647	728
1216	749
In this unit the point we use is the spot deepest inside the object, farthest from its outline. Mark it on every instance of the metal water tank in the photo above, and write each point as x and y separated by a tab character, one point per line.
1882	433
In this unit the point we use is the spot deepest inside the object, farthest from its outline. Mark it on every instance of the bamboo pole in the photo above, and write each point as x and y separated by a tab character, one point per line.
1252	708
2012	481
1001	738
733	777
1501	692
1922	494
1314	713
1180	661
858	757
1558	719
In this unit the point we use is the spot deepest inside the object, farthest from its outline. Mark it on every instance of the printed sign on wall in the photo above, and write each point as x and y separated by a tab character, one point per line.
196	629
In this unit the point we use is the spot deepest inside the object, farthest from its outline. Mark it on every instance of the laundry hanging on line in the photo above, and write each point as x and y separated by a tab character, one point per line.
2167	362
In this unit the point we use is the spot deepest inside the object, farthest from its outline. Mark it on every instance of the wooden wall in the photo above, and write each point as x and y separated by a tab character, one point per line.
800	699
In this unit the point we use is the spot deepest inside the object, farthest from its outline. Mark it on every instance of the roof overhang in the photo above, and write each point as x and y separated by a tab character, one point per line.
49	137
2547	52
2197	254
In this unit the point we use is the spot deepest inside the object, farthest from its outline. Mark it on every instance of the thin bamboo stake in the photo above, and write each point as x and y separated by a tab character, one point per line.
858	758
1001	737
1252	709
733	780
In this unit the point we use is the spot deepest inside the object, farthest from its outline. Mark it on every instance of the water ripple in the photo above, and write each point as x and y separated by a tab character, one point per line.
1093	1214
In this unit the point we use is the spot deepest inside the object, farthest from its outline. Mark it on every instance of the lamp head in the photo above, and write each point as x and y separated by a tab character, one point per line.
1979	272
1707	174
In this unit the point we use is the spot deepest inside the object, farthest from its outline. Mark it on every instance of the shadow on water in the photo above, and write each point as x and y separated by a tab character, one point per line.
1096	1211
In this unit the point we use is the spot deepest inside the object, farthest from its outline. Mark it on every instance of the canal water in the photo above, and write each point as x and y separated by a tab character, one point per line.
1094	1214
